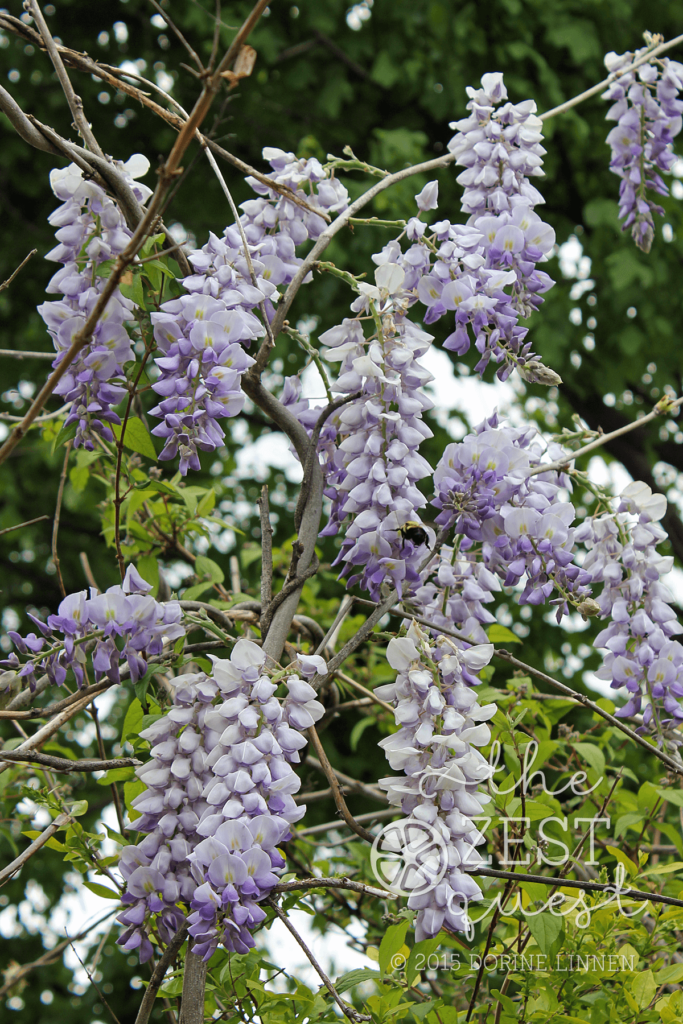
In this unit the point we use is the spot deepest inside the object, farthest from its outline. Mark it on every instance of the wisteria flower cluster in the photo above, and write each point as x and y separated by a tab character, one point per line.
503	240
91	232
647	109
441	726
622	555
219	799
202	335
124	623
369	447
510	525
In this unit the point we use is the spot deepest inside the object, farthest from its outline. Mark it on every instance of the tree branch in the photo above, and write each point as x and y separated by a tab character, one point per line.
19	861
348	1011
64	764
75	102
159	972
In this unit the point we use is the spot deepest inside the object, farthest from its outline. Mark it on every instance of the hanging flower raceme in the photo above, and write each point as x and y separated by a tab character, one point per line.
91	232
647	109
509	526
370	447
124	623
219	800
441	725
640	654
503	240
202	335
202	363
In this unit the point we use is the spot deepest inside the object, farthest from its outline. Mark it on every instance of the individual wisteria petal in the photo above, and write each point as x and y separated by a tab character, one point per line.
647	109
441	725
91	231
126	611
218	801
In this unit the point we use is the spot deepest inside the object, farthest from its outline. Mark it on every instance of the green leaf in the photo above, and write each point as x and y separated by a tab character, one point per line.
102	890
674	796
132	723
130	791
52	843
133	290
394	937
622	858
671	975
546	929
78	808
421	950
664	869
498	634
592	755
358	730
353	978
136	437
207	567
116	775
64	435
192	593
148	567
643	989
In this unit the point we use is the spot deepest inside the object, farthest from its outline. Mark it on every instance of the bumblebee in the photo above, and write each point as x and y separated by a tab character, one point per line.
414	532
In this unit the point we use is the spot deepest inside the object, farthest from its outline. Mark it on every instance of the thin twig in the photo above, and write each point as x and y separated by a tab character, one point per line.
333	883
12	353
348	1011
332	635
54	709
362	689
95	986
19	526
571	883
58	512
349	782
610	78
87	571
36	845
176	31
43	733
7	283
75	102
159	973
64	764
266	549
15	975
336	791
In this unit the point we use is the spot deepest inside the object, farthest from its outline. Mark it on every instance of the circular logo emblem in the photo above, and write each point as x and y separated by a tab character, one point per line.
409	857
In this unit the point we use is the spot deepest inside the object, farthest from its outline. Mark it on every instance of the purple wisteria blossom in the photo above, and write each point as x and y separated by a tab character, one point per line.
647	110
124	623
503	240
369	448
640	654
202	335
441	725
219	799
509	527
91	232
